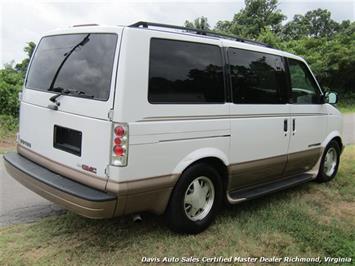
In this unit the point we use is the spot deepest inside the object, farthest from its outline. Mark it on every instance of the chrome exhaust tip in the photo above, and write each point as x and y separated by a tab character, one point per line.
137	218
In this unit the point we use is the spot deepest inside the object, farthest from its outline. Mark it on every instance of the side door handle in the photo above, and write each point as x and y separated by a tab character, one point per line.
285	126
293	126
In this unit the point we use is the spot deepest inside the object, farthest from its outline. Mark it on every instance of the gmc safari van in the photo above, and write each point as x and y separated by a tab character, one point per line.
169	120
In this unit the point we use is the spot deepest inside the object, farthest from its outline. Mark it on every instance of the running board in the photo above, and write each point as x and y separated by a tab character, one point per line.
240	195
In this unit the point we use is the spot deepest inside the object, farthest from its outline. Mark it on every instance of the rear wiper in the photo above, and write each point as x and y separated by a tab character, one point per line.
81	94
66	56
61	91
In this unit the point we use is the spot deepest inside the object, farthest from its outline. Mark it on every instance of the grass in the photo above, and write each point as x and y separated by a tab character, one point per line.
307	221
347	103
346	108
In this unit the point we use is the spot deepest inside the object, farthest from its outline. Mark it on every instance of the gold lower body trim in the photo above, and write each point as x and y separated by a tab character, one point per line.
270	169
71	173
148	194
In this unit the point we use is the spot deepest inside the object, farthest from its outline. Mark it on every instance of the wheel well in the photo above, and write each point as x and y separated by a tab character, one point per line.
338	140
217	164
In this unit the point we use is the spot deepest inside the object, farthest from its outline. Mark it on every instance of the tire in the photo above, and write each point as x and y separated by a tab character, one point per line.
330	163
195	200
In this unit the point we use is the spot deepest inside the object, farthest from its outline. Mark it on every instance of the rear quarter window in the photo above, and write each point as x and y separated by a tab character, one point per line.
185	72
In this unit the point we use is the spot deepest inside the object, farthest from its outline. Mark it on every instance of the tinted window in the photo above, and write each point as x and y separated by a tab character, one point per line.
304	88
185	72
257	78
88	68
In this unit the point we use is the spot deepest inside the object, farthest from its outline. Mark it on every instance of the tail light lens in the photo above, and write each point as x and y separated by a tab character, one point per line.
117	141
120	145
118	150
119	131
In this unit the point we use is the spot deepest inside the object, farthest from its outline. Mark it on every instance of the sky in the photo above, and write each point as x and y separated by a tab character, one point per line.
24	21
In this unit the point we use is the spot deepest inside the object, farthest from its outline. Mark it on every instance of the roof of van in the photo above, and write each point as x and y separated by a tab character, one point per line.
227	40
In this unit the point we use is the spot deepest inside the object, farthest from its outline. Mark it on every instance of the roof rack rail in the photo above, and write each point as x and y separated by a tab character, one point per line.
85	25
145	24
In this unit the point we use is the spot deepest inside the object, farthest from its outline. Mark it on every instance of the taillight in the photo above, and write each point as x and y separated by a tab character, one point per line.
120	145
117	141
118	150
119	131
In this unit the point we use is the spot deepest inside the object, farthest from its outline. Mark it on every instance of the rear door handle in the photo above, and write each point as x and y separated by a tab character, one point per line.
285	125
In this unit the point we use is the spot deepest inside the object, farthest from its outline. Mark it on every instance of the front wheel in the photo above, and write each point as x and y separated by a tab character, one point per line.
329	163
195	200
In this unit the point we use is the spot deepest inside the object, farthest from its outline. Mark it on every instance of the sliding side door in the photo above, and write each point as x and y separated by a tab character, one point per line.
259	117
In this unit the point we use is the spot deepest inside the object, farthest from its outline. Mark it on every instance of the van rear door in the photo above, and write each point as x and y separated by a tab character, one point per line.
68	94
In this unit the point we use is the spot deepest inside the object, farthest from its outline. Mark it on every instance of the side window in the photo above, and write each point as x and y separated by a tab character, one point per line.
257	78
304	89
185	72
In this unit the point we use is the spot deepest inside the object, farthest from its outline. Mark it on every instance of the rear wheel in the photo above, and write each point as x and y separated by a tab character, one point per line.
329	163
195	200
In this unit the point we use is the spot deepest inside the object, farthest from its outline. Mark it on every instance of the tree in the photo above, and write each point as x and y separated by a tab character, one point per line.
296	28
199	23
10	85
344	25
331	59
11	81
258	15
268	37
315	23
22	67
320	23
223	26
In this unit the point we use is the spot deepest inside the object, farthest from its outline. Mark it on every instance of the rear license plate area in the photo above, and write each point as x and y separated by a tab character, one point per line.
67	139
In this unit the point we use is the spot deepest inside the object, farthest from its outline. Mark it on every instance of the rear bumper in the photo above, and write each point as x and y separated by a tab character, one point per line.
84	200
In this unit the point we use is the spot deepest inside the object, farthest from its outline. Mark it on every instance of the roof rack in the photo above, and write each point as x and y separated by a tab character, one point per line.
145	24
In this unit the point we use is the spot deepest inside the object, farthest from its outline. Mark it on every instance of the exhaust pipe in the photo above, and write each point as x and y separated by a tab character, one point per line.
137	218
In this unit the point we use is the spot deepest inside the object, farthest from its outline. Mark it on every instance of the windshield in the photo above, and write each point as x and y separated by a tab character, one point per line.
62	61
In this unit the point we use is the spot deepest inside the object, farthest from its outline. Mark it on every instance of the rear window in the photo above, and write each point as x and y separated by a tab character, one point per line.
185	72
77	62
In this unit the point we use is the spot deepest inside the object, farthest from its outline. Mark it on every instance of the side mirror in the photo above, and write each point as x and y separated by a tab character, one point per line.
331	98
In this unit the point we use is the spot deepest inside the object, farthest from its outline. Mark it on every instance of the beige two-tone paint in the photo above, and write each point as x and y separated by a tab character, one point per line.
153	194
148	194
266	170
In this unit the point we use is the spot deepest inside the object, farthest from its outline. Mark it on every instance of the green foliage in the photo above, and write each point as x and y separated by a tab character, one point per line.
331	59
346	102
10	86
223	26
328	46
22	67
267	36
256	17
199	23
8	125
11	81
315	23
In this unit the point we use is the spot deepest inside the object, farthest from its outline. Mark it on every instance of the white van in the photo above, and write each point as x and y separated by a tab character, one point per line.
170	120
